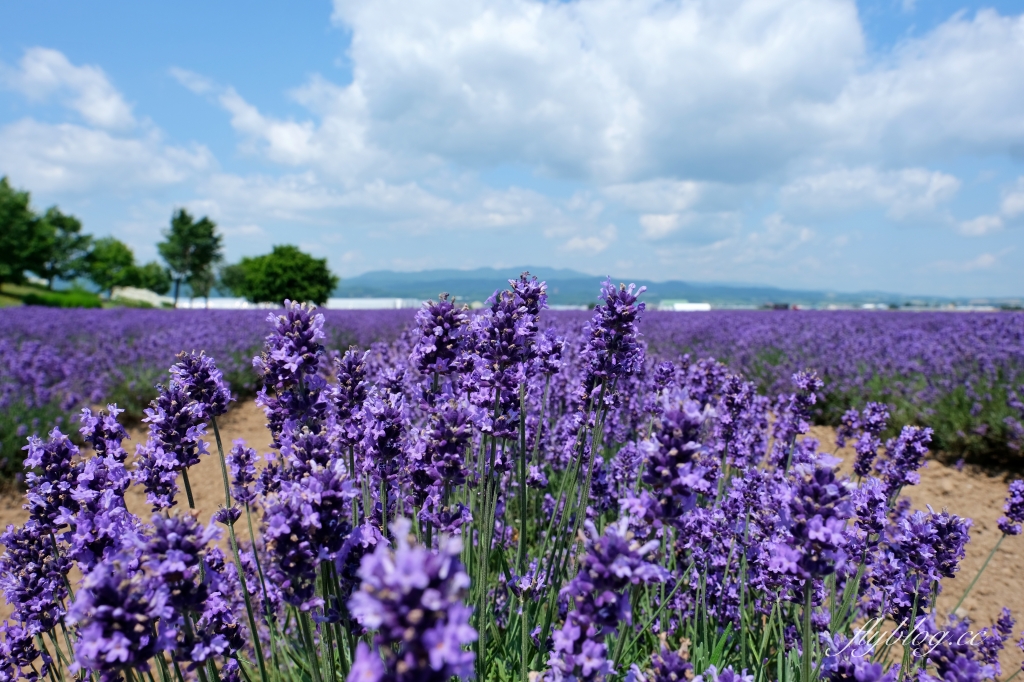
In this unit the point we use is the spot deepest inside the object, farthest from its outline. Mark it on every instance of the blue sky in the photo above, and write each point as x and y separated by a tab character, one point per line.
799	143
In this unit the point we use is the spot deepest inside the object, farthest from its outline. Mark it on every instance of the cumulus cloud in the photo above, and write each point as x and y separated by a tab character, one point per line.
109	148
980	226
592	243
407	207
958	89
668	110
623	91
658	225
777	240
1012	205
984	261
903	193
69	157
195	82
43	73
663	195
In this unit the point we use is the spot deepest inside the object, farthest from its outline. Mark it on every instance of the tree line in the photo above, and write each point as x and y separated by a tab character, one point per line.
53	246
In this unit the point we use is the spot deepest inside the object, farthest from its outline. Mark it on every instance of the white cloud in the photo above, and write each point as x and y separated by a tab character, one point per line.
980	226
594	243
985	261
626	91
658	225
59	157
1013	200
663	195
778	240
402	207
958	89
44	72
903	193
195	82
611	90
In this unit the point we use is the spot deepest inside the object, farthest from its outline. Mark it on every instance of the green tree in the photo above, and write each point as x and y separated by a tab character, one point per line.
190	246
68	247
111	264
283	273
24	239
232	280
154	277
201	282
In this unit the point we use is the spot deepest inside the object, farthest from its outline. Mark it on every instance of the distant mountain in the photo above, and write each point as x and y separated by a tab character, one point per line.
570	287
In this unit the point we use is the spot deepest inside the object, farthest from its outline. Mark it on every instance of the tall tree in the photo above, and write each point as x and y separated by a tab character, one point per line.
110	264
283	273
201	282
68	247
190	246
154	277
24	239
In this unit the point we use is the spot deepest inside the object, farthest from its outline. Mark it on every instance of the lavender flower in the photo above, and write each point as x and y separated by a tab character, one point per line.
506	344
727	674
288	366
104	433
613	340
241	462
671	470
173	554
669	666
993	639
1010	524
904	455
174	444
103	521
199	378
32	575
864	428
118	615
306	522
156	470
816	515
953	657
850	661
413	599
612	563
50	503
442	335
793	416
18	651
349	394
383	445
550	347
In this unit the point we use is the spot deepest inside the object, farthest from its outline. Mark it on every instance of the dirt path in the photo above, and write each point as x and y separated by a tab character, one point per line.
970	492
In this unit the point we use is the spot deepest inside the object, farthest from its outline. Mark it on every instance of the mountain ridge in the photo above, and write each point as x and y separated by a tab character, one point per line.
572	287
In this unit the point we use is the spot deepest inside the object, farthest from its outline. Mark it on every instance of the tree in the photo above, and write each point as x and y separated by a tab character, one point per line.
67	249
232	279
154	277
24	239
111	264
201	282
283	273
189	247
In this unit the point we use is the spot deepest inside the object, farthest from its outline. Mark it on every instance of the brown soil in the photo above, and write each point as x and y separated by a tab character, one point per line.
971	493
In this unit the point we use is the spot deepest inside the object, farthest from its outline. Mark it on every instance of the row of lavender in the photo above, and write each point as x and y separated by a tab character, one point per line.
960	374
53	362
491	497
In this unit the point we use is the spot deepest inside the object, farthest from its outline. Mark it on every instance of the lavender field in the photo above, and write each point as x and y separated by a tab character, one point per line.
506	495
958	374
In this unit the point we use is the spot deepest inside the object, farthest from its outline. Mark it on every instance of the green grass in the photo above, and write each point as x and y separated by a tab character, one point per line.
29	294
